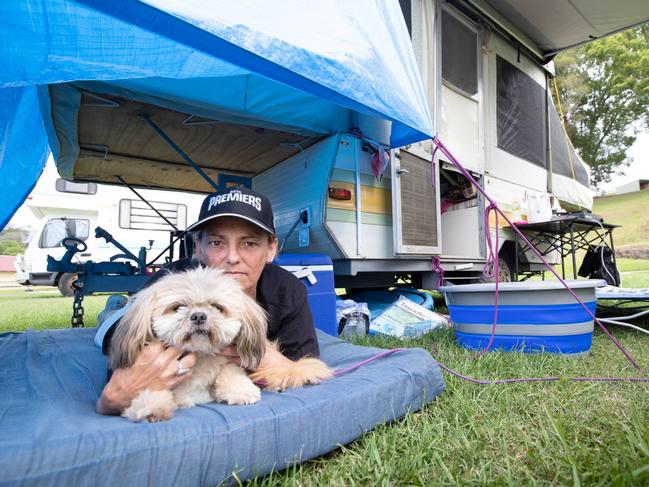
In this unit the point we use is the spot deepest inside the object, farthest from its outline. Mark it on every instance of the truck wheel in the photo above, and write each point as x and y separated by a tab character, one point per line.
65	284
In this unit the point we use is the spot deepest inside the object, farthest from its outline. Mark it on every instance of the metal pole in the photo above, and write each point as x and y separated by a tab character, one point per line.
357	183
573	251
180	152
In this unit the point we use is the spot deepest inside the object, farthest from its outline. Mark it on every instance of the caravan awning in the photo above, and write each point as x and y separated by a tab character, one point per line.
547	27
234	81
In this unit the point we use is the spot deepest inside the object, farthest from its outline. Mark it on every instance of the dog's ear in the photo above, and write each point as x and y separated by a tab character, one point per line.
251	343
133	332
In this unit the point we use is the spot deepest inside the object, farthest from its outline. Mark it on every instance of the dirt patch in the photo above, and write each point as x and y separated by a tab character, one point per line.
640	251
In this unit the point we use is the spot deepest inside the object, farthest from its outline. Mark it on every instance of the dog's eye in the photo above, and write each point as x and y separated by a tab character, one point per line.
178	307
218	307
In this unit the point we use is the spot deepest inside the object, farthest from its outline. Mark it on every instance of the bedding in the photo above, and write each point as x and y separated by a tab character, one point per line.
50	433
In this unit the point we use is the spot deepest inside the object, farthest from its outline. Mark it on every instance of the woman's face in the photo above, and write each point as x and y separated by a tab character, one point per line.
238	247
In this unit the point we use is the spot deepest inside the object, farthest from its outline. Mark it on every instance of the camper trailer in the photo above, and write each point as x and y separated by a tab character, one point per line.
346	178
65	209
490	100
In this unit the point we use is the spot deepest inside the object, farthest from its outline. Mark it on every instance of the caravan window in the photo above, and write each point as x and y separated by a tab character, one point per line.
63	186
57	229
459	55
521	113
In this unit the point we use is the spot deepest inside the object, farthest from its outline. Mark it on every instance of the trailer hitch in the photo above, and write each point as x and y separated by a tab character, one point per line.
113	277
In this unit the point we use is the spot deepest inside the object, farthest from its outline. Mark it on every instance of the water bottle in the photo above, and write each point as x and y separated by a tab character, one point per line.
356	325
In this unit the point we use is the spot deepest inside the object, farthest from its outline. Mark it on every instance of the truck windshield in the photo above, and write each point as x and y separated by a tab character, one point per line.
57	229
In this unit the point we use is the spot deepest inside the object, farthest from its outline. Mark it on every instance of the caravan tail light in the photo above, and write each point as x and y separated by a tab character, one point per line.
340	194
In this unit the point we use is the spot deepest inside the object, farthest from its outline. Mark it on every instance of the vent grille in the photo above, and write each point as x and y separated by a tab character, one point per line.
137	215
418	211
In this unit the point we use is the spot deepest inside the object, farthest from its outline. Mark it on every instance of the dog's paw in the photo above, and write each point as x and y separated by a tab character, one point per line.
242	392
151	406
295	374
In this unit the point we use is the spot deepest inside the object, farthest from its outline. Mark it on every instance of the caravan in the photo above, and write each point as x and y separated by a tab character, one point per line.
65	209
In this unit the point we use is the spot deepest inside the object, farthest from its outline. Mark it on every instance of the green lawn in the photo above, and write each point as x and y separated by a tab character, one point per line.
42	309
628	210
553	433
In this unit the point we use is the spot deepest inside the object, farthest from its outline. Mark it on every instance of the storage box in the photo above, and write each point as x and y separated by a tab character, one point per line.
532	316
316	272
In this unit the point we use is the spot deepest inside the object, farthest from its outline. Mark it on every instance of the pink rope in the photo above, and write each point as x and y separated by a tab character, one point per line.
339	372
437	267
347	370
541	379
466	174
495	271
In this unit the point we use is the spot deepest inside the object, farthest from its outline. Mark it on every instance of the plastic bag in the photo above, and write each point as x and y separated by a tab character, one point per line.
406	319
353	318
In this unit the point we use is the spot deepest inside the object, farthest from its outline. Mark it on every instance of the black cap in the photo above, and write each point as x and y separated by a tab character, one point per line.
239	202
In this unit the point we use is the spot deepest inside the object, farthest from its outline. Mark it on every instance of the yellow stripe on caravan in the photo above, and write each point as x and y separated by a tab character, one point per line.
373	200
501	221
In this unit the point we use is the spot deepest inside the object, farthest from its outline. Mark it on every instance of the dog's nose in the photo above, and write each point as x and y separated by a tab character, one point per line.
198	318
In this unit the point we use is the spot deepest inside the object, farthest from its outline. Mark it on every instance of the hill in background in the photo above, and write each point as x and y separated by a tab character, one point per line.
631	210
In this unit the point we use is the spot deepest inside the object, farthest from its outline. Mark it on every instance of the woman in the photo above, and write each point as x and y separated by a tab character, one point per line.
235	232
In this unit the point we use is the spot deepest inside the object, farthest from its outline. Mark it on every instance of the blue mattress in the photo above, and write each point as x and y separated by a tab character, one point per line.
50	433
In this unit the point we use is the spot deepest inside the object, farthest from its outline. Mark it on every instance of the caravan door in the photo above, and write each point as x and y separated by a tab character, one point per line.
459	110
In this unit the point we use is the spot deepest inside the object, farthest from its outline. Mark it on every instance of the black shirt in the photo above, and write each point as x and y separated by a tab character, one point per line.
284	298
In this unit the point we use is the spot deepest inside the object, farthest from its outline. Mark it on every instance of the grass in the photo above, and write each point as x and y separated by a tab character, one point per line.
543	433
537	433
628	210
43	309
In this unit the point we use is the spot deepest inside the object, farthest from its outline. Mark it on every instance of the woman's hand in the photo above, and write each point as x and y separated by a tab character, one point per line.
155	368
271	357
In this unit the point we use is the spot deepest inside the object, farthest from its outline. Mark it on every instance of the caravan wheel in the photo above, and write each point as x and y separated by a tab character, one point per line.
505	272
65	284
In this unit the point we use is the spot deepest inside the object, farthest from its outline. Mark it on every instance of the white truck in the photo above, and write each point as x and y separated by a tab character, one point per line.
67	209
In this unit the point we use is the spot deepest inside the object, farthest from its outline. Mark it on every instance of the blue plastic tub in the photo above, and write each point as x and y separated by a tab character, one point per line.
532	316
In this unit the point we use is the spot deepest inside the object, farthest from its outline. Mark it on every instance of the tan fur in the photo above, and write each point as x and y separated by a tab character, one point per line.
251	343
296	374
163	311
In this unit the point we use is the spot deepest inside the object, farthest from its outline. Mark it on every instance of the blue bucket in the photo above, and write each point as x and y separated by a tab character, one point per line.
532	316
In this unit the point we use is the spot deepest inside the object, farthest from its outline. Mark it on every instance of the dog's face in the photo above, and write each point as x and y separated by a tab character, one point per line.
201	310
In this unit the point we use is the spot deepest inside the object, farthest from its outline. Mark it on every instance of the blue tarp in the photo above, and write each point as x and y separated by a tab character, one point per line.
300	66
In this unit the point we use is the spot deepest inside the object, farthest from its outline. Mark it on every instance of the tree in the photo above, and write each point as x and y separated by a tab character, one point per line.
11	247
604	91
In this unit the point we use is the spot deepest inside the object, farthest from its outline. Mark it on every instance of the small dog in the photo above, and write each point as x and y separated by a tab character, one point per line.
202	311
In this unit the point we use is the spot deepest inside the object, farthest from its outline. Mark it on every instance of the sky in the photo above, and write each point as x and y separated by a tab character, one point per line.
639	168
